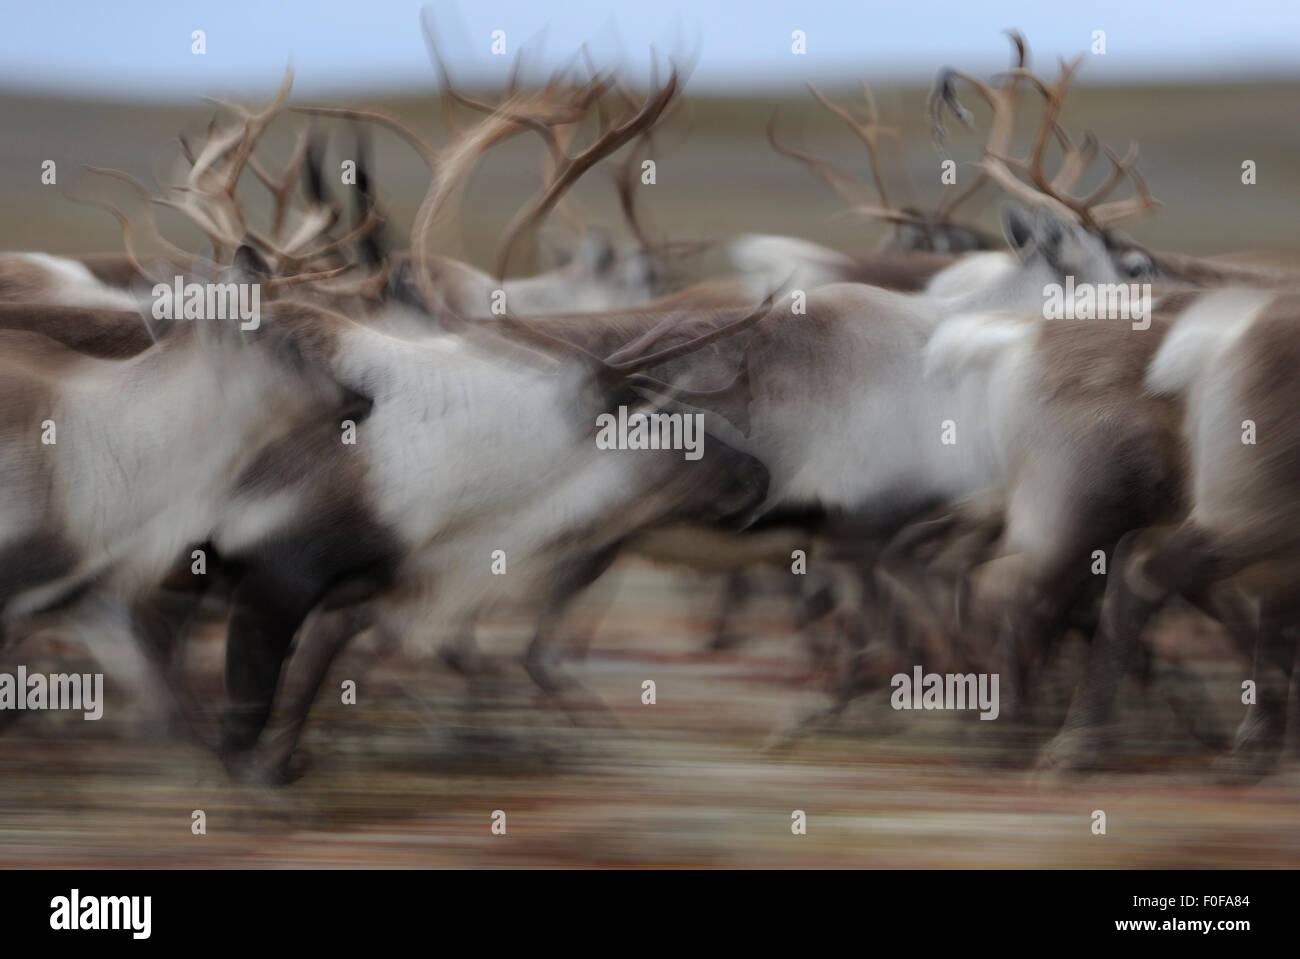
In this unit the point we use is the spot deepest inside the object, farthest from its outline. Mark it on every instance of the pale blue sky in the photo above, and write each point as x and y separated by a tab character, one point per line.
142	47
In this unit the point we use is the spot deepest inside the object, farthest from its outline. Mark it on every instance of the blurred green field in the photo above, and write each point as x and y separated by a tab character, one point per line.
717	175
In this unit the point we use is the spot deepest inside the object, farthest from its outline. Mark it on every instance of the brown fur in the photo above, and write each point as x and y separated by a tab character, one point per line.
901	271
22	282
108	334
1169	553
111	269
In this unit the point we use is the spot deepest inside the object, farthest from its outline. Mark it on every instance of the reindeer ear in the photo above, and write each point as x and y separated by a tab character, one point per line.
750	485
1037	233
313	169
643	272
402	287
250	265
1018	227
596	254
556	248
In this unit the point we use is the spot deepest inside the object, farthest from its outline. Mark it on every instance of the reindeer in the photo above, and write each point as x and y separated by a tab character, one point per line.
1048	247
209	197
1225	357
959	286
1112	429
922	253
131	469
891	332
1094	453
369	532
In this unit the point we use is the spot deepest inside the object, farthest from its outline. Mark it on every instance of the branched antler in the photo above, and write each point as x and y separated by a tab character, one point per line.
299	243
551	113
846	185
931	230
567	168
1050	193
179	258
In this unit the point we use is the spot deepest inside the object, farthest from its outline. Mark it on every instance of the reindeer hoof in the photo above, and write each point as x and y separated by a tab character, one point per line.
283	771
723	642
1256	749
1243	766
1071	752
471	665
780	739
278	770
248	769
241	765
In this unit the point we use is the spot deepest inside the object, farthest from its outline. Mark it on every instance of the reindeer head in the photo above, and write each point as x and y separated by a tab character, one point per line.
299	243
603	274
1067	248
1055	231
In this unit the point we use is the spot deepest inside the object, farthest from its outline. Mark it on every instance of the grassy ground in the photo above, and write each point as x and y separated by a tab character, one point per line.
411	774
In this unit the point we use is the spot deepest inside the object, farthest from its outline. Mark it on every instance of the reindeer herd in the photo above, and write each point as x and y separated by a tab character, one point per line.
949	460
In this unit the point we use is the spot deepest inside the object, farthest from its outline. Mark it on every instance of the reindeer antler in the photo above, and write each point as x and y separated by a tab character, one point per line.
846	185
281	187
567	168
554	107
626	182
1042	191
211	199
450	167
302	248
209	194
178	257
854	191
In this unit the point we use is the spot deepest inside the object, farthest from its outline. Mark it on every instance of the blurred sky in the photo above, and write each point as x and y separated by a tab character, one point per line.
142	48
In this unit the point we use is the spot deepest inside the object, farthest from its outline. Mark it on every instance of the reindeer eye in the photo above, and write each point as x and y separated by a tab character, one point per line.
1136	264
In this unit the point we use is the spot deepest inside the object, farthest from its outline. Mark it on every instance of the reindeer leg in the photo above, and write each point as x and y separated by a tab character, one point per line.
268	610
1023	609
281	582
1260	737
320	644
1183	689
461	653
139	675
854	664
1149	567
163	621
814	598
738	588
103	627
863	668
566	586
